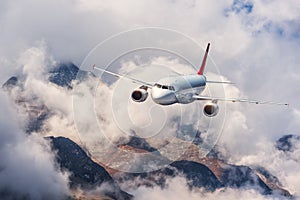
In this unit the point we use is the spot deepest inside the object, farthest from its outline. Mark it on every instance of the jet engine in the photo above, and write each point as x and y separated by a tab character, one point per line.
211	109
140	94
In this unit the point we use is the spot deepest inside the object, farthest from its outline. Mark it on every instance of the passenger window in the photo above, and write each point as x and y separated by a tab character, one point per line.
164	87
158	85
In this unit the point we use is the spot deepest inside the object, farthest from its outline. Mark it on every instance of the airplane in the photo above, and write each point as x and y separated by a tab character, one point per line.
182	89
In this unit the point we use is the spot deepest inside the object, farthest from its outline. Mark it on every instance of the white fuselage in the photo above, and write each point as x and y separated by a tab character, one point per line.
178	89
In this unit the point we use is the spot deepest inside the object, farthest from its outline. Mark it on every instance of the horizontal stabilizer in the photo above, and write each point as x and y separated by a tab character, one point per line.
199	97
222	82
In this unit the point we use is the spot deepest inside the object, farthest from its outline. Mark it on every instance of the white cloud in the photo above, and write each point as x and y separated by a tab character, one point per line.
177	189
27	163
258	51
285	11
283	165
38	91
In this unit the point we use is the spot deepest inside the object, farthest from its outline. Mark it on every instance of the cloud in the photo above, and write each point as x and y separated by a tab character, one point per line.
37	92
177	189
282	165
283	22
27	163
258	50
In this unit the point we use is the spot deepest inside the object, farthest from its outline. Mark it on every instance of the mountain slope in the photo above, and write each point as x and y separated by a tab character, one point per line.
287	143
63	74
211	172
85	173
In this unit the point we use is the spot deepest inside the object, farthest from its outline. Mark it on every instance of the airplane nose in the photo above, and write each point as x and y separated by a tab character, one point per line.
163	97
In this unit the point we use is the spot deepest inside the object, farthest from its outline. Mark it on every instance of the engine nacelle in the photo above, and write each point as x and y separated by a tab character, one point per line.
139	95
211	109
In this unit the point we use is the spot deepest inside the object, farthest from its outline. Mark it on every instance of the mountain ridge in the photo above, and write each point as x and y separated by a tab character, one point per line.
210	173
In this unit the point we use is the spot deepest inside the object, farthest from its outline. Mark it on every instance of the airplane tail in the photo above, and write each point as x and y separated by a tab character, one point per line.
202	67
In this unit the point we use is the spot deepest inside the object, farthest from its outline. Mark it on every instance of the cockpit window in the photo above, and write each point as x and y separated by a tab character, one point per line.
171	88
164	87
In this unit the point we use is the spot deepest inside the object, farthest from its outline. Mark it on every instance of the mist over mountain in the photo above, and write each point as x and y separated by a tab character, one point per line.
254	44
209	174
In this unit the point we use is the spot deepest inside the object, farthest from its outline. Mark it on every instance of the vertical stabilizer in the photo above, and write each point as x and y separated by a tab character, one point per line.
202	67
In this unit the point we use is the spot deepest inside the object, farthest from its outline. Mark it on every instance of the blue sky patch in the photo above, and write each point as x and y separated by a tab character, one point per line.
239	6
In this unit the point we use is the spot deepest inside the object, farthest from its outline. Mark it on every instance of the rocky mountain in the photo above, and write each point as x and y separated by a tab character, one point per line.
63	74
140	143
271	181
35	111
208	173
196	174
85	173
235	176
211	172
287	143
10	83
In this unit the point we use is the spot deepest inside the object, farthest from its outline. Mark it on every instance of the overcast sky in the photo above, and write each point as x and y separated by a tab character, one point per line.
255	44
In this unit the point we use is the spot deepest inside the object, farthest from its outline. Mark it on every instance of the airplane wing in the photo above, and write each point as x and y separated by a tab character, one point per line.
199	97
123	76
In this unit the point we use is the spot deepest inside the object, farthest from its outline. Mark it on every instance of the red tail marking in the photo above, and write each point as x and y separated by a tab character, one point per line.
201	70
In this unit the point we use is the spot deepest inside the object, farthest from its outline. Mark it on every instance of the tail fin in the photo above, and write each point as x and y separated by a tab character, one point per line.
201	70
